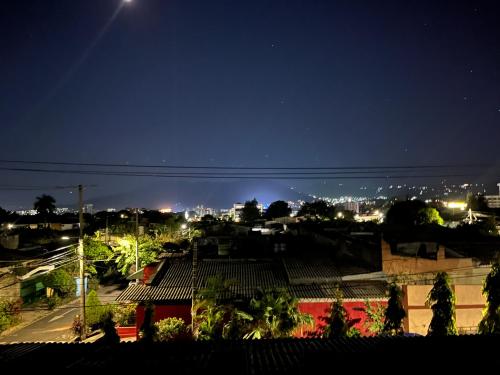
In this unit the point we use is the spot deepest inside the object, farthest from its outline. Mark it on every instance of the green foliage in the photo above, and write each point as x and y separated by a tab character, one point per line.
170	329
394	313
53	301
94	250
250	211
95	312
442	302
429	215
148	330
490	324
149	249
375	315
278	209
319	209
124	314
9	313
61	281
275	315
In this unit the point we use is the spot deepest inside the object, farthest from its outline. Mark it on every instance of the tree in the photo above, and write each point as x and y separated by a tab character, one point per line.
405	213
170	329
45	205
95	250
275	315
442	301
61	281
338	323
375	315
95	312
490	324
125	257
319	209
278	209
395	313
250	211
429	215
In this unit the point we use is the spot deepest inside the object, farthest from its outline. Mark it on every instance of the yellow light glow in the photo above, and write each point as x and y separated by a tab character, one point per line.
166	210
461	205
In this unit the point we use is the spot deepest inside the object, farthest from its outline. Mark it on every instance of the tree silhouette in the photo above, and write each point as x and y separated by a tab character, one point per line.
45	205
442	301
250	211
490	324
395	313
278	209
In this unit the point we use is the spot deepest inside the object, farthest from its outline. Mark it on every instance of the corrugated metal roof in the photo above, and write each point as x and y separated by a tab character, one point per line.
300	271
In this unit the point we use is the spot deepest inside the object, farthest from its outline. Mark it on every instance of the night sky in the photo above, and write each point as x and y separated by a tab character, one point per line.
278	83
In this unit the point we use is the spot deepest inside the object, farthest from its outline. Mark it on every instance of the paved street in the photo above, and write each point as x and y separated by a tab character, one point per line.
56	325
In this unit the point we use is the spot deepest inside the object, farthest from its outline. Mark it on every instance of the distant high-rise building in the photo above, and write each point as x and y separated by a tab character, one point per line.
235	212
88	208
351	206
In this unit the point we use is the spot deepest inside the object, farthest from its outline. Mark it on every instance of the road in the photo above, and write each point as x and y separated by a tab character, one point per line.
56	325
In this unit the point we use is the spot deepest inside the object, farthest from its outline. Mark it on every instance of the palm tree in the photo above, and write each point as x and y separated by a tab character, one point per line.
275	315
45	206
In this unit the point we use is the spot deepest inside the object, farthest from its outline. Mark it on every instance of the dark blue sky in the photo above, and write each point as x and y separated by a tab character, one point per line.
244	83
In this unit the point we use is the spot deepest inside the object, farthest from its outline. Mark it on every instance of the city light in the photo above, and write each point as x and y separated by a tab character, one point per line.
10	226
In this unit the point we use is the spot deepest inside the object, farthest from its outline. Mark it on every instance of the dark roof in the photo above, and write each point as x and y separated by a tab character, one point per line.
175	282
310	271
304	356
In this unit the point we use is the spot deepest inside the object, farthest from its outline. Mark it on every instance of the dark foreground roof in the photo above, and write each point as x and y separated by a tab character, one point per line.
298	356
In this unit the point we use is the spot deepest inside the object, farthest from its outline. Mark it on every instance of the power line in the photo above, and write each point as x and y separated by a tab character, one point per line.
229	176
164	166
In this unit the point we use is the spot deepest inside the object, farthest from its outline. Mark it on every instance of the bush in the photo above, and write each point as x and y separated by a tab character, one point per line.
171	329
95	312
9	313
53	301
124	314
108	327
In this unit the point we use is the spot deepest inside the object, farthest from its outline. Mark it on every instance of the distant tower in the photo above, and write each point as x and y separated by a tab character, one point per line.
498	188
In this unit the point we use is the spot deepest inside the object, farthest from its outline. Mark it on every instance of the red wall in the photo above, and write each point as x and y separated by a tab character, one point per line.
162	312
317	309
321	310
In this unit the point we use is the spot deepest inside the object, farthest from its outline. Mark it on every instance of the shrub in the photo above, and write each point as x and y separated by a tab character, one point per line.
124	314
171	329
9	313
95	312
53	301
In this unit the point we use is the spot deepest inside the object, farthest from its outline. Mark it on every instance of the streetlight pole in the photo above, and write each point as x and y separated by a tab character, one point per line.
81	257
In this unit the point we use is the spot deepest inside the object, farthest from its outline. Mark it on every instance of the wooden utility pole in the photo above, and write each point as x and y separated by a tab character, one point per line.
81	257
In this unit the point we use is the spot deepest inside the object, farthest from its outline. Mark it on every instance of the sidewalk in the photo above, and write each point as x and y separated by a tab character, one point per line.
31	315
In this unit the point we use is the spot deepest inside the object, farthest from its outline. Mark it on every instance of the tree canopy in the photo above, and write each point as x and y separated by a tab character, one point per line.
250	211
319	209
149	249
45	205
411	213
278	209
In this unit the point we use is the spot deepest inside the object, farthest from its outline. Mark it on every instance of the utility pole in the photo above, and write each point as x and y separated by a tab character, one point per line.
137	244
81	256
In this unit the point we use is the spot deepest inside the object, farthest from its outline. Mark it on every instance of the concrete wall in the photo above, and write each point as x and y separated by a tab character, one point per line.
469	305
401	265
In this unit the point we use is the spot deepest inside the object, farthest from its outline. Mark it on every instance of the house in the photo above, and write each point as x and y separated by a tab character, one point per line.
312	282
414	265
